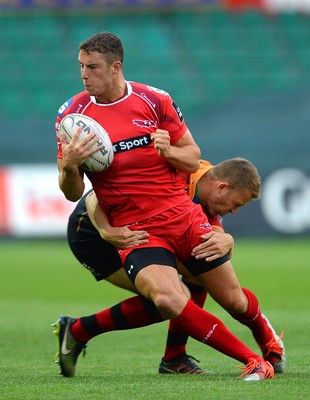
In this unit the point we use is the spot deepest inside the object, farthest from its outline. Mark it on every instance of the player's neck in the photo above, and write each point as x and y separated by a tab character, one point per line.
117	94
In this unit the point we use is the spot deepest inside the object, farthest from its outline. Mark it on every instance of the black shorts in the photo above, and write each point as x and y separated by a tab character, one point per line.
95	254
197	267
141	258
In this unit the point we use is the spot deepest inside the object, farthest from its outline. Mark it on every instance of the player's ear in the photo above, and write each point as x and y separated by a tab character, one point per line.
117	66
222	185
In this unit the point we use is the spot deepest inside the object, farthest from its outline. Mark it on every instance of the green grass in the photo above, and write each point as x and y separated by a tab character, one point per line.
41	280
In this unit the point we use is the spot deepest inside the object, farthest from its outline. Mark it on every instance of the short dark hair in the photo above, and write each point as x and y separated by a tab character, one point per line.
106	43
240	174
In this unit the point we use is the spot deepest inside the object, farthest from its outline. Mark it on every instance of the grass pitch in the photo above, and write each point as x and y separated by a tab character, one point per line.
41	280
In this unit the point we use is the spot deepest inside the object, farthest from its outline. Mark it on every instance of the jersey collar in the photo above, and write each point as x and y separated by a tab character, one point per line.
128	93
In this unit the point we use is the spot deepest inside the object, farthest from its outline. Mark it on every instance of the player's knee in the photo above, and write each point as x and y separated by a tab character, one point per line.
186	291
235	304
168	305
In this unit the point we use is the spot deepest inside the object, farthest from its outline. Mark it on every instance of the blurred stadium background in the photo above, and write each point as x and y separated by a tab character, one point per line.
238	69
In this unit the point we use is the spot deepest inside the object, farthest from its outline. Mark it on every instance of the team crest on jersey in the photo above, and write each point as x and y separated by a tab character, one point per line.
144	123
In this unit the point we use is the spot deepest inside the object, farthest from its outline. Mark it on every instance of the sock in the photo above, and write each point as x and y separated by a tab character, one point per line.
131	313
176	341
253	319
208	329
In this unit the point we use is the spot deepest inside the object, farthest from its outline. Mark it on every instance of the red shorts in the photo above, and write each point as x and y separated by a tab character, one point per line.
178	229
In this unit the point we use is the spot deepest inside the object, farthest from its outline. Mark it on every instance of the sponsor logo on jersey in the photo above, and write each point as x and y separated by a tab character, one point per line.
132	143
148	100
79	108
160	91
144	123
205	226
178	110
63	108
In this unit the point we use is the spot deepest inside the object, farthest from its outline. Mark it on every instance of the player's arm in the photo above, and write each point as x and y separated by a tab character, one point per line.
70	178
120	237
70	181
215	244
184	155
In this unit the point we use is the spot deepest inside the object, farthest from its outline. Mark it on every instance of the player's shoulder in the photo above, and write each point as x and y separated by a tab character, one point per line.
75	104
149	92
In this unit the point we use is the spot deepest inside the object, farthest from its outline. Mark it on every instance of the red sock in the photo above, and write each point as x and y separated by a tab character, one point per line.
176	341
253	319
131	313
206	328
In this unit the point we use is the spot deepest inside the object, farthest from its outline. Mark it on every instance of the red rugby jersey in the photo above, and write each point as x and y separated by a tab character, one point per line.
139	184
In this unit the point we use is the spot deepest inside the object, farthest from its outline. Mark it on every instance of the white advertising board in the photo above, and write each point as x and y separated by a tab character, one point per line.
32	203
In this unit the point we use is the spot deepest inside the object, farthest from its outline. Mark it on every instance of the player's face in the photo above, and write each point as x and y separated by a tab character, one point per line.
225	200
97	75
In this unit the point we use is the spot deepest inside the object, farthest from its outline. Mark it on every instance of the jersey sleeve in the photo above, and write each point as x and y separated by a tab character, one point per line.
173	120
168	114
59	148
62	111
76	104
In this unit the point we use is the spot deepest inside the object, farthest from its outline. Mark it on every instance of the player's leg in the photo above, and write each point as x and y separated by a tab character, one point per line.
160	283
175	359
223	285
102	260
120	279
74	333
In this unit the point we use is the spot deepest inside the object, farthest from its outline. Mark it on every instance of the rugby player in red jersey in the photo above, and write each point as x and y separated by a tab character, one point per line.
144	190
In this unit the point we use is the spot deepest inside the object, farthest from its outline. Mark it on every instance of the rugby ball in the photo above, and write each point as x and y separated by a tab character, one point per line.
101	159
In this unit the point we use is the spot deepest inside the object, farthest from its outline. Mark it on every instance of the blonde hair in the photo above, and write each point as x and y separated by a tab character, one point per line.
240	174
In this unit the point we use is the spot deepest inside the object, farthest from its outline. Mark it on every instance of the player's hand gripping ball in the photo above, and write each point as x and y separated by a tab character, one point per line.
101	159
